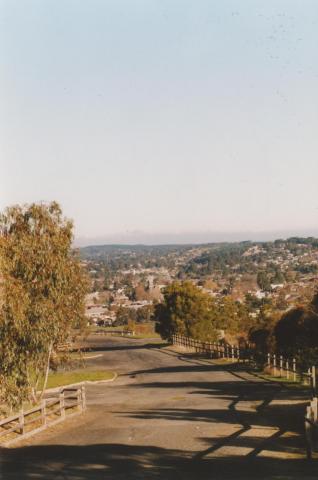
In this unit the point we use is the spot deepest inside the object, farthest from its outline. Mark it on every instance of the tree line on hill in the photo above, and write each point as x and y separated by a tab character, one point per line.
225	258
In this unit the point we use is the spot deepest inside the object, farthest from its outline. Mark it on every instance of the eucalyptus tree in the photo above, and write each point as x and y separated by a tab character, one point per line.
42	294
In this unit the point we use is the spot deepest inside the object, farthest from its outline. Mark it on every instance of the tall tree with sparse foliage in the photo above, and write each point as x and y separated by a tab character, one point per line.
42	295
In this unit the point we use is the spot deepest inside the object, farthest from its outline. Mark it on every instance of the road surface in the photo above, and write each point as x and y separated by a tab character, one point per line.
171	416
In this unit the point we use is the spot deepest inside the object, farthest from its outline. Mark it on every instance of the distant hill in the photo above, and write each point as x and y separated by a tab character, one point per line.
98	251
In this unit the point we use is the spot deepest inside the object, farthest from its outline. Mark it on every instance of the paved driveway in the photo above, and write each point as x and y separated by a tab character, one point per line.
170	416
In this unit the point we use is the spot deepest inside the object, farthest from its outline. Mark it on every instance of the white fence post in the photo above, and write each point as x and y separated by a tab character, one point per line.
313	377
281	365
294	370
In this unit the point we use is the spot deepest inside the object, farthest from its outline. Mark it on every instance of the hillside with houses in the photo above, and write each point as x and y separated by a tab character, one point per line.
127	281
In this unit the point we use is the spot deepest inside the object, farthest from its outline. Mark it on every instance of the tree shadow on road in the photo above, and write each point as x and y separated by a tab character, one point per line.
110	348
253	404
127	462
236	448
273	405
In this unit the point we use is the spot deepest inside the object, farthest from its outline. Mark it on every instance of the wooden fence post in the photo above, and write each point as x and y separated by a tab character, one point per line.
287	369
21	421
79	400
83	397
308	433
313	379
294	370
314	404
62	404
281	365
43	412
274	365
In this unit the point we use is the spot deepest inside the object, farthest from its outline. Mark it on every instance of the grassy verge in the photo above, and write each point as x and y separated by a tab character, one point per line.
96	328
286	382
66	378
224	361
139	335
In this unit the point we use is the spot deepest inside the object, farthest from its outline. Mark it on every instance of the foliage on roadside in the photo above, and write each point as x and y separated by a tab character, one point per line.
42	295
185	310
188	310
293	334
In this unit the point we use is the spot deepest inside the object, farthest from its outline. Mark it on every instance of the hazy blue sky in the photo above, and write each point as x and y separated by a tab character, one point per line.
146	117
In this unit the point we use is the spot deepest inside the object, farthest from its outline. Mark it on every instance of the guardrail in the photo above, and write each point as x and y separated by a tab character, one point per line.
52	410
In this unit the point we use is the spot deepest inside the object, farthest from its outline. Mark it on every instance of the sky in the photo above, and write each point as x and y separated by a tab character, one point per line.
162	120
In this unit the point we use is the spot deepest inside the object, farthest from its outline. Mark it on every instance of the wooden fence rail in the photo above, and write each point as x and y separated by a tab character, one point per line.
115	332
276	365
52	410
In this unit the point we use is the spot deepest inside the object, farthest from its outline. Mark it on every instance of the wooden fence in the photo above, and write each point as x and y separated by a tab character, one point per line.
276	365
311	427
52	410
288	368
211	349
115	332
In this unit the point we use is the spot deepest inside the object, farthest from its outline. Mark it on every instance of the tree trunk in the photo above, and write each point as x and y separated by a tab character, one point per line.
32	395
47	370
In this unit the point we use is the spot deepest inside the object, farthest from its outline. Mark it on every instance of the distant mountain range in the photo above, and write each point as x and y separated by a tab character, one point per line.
189	238
137	250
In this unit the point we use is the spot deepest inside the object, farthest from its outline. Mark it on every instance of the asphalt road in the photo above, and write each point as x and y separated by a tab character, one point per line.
170	415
